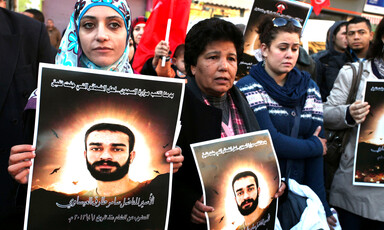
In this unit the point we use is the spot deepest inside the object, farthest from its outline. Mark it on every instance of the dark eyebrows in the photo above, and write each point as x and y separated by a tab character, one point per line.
95	143
286	43
119	145
114	145
212	52
248	186
233	54
218	52
88	17
115	17
94	18
358	31
251	185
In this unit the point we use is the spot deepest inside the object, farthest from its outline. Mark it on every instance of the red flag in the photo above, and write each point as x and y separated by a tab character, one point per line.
156	26
318	5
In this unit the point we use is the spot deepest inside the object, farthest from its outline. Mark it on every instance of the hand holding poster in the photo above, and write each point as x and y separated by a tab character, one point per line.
100	140
240	176
369	154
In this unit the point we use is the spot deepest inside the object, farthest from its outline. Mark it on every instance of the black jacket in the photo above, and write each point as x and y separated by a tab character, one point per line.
24	42
199	122
329	63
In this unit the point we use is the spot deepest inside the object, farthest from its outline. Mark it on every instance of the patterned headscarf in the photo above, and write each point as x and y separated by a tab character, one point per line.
70	52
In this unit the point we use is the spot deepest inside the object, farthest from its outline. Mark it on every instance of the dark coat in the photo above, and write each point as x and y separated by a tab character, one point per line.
199	122
24	42
329	63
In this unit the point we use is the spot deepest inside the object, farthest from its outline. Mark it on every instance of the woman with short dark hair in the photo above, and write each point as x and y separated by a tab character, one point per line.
213	108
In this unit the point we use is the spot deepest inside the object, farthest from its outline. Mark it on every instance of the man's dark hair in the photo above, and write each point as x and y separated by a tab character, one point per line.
376	50
207	31
242	175
112	128
268	32
359	19
37	14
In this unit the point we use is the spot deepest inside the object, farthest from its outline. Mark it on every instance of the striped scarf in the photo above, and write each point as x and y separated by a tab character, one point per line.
237	121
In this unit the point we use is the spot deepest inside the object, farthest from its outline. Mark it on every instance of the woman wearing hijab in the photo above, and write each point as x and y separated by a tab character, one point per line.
96	38
138	26
137	31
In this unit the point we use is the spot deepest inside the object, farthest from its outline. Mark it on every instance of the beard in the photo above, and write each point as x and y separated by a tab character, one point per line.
106	175
247	211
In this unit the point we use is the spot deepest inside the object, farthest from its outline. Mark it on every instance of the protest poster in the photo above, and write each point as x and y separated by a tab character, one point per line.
261	8
369	153
240	176
100	140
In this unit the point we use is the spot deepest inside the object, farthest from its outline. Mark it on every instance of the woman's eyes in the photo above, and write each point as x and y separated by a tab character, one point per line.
294	49
114	25
88	25
232	59
91	25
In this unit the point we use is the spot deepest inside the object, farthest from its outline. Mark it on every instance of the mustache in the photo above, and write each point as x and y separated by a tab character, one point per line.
104	162
250	200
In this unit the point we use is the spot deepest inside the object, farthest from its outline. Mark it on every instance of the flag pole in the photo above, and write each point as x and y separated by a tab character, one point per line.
170	15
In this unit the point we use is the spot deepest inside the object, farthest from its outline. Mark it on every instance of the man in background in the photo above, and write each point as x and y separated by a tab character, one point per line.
36	14
359	36
3	4
54	34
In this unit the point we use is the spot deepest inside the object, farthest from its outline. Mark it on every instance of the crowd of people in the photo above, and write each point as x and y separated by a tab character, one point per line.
292	104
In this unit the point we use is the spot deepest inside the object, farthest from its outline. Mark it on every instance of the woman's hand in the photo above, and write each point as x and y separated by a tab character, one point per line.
20	161
331	220
161	50
281	190
198	212
359	111
174	155
322	140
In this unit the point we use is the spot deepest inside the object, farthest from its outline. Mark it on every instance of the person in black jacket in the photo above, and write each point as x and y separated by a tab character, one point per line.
24	43
213	108
335	47
359	37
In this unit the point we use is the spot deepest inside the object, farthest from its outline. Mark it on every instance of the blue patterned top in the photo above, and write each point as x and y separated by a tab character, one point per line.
307	150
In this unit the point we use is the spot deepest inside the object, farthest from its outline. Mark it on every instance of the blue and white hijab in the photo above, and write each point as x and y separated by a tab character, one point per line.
70	52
